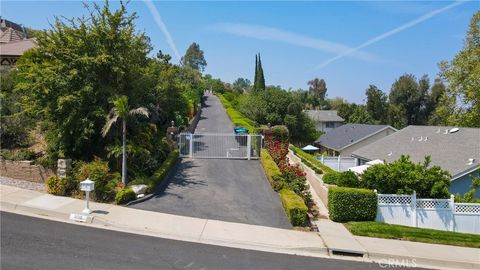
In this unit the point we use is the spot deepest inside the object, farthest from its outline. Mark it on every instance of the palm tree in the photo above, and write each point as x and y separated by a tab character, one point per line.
121	110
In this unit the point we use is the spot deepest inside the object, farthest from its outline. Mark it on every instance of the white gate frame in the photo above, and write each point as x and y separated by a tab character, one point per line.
244	138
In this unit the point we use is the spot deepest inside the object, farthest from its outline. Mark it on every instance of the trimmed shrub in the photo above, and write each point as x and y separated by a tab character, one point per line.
351	204
98	172
330	178
280	133
125	195
273	173
163	171
60	187
311	159
342	179
295	208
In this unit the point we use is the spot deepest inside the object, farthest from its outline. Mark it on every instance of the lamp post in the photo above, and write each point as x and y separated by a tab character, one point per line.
87	185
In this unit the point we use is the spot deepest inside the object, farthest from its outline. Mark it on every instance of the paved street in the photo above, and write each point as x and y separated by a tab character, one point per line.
31	243
228	190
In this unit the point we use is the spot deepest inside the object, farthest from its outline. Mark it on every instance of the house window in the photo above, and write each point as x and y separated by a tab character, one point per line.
330	125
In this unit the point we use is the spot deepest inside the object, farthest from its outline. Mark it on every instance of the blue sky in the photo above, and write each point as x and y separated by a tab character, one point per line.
350	44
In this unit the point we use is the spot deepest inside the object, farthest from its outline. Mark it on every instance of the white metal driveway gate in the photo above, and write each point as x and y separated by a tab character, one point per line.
214	145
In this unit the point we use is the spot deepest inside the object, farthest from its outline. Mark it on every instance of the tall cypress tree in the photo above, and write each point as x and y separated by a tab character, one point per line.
255	79
261	78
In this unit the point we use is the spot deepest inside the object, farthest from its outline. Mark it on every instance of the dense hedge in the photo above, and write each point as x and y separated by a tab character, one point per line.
125	195
294	206
163	171
342	179
351	204
310	161
237	118
274	175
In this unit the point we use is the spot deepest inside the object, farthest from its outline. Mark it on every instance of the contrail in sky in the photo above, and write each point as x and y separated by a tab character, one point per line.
383	36
162	26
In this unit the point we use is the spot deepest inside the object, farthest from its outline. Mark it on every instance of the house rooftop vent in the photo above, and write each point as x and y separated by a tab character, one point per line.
453	130
471	161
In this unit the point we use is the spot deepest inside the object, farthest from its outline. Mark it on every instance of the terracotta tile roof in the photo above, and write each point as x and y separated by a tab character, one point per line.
17	48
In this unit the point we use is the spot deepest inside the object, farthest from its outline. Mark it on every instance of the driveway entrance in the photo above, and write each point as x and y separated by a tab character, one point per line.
227	189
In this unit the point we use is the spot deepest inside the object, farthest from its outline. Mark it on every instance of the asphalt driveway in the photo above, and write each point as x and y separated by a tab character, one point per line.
221	189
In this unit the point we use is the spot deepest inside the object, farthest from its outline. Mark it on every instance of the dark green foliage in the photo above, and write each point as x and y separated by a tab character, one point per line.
194	58
259	81
98	172
125	195
351	204
15	124
295	208
343	179
163	171
377	104
70	78
318	90
404	176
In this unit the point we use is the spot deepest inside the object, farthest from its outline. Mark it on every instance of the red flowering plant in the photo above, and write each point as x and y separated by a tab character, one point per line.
296	181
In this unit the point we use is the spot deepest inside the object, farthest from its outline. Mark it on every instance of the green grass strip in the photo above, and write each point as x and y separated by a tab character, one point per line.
390	231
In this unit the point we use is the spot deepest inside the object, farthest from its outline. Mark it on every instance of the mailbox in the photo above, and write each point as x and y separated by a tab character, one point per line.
87	185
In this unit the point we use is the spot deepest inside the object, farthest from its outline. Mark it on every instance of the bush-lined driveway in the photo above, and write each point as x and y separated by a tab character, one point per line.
222	189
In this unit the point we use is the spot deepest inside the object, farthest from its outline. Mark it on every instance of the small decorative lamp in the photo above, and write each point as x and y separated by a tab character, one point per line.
87	185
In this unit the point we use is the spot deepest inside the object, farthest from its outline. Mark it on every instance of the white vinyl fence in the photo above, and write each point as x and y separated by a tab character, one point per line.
440	214
339	164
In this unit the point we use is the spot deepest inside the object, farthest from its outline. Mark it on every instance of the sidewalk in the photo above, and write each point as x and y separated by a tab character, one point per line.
165	225
332	240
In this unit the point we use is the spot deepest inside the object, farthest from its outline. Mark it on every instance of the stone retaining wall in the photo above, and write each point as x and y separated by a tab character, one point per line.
24	170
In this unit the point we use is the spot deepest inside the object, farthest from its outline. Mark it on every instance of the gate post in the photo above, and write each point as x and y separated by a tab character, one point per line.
249	146
191	146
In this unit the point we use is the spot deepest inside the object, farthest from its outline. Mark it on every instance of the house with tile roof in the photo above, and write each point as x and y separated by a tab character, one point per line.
14	42
325	120
456	150
345	139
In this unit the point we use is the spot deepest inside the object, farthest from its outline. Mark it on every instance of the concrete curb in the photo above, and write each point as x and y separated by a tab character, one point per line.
421	262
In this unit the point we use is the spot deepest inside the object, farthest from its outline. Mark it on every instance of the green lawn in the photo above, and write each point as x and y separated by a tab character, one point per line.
383	230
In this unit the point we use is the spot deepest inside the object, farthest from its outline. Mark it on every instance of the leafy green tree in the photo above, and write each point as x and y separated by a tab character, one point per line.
360	115
409	97
463	77
377	104
15	123
404	176
318	90
77	68
437	92
242	85
194	58
121	110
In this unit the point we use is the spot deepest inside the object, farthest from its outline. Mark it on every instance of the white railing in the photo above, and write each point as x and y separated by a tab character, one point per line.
217	145
440	214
